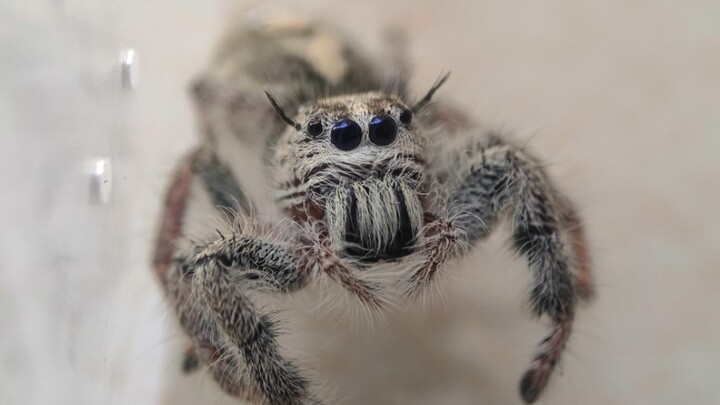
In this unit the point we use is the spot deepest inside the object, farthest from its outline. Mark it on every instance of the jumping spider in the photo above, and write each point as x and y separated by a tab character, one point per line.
367	179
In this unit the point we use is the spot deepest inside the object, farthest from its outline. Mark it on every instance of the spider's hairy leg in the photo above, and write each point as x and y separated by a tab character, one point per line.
228	112
224	191
219	310
575	231
228	333
205	345
503	177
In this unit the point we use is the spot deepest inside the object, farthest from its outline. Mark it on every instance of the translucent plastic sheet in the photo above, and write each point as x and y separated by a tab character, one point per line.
83	320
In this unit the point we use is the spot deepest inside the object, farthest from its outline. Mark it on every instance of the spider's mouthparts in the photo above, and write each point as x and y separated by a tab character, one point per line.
377	218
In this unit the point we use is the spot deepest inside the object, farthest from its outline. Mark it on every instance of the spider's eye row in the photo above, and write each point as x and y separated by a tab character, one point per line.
406	117
346	135
383	130
315	128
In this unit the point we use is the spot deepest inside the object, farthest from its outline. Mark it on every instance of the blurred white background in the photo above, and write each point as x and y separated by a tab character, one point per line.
622	99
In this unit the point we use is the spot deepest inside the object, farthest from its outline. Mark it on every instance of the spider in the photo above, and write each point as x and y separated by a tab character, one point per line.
362	179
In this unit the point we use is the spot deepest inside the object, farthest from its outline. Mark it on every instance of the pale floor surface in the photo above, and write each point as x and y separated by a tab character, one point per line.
621	100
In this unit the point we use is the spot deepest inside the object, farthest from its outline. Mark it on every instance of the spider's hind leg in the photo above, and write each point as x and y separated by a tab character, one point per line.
203	166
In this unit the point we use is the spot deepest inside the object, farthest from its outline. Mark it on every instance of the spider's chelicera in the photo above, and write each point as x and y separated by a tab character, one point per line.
370	179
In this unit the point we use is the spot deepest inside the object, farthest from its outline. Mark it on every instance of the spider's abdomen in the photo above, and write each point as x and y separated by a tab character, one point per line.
375	219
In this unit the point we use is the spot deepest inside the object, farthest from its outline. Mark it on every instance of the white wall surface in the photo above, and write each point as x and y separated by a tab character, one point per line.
620	98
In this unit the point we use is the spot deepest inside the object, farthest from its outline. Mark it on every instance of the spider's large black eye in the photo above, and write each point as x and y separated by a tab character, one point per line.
346	135
315	128
406	117
383	130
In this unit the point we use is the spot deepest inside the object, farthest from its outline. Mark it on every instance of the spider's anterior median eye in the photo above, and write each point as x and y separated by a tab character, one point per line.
383	130
406	117
315	128
346	135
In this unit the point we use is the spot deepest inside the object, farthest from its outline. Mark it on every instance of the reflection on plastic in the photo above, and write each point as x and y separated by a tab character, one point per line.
100	181
128	75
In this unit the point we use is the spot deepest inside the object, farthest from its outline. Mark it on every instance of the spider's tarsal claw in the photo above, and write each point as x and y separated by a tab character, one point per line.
191	362
533	383
551	348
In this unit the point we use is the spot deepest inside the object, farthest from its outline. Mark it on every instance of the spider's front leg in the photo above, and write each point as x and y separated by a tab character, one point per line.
212	292
497	177
212	286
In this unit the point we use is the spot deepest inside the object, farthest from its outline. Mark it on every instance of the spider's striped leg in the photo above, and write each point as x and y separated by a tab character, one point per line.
582	266
200	166
546	231
224	191
209	289
205	345
509	178
212	295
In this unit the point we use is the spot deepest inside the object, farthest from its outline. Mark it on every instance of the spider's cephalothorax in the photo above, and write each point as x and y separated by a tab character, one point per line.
356	163
368	180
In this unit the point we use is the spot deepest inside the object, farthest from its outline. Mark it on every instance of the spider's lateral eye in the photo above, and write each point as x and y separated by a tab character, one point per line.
406	117
225	260
346	135
383	130
315	128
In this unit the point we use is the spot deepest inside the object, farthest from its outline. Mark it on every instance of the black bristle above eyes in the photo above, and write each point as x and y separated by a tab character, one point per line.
315	128
406	117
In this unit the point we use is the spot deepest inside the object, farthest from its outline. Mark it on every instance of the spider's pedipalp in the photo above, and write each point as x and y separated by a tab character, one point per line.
317	257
